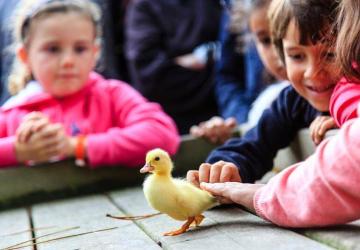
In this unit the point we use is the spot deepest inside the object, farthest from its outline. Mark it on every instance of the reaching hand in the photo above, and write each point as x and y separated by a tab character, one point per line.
217	130
320	126
236	192
220	171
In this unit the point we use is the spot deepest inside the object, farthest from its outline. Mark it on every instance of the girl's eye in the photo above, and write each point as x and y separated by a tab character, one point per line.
80	49
265	41
53	49
296	57
329	56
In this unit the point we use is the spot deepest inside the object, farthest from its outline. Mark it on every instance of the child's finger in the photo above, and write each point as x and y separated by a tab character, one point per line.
51	146
33	116
29	126
215	172
216	189
216	120
318	136
24	132
37	126
225	174
204	172
315	132
40	124
192	176
50	130
196	131
230	173
327	125
231	122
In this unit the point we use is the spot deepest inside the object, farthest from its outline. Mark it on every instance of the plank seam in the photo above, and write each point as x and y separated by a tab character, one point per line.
31	222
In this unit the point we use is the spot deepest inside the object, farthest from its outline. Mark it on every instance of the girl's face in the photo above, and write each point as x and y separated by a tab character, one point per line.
259	27
310	68
61	52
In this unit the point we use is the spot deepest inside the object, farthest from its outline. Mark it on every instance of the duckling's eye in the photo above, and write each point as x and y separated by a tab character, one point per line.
157	158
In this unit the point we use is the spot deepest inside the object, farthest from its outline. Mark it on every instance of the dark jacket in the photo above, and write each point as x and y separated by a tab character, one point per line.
238	75
157	31
112	62
254	153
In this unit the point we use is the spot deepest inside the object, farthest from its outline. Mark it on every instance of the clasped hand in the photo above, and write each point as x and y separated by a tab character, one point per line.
39	140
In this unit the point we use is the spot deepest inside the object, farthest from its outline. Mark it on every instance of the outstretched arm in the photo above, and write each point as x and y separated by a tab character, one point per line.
323	190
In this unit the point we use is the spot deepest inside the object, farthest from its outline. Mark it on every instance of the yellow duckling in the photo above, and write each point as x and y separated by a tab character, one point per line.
175	197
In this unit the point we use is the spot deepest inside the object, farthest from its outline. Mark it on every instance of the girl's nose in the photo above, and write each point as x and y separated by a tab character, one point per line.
313	69
68	59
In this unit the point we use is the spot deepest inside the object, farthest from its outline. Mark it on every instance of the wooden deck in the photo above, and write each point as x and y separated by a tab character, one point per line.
83	223
53	204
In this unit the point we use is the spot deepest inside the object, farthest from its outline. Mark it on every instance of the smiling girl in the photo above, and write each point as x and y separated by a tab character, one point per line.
299	34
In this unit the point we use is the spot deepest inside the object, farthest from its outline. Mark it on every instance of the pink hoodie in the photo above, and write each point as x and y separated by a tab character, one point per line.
121	126
322	190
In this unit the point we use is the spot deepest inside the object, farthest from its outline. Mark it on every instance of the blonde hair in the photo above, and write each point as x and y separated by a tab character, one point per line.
30	10
347	44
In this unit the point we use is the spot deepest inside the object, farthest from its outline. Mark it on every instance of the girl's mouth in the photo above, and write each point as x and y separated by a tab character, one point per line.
321	89
67	75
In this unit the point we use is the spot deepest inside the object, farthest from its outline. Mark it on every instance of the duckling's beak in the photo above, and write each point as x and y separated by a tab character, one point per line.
146	168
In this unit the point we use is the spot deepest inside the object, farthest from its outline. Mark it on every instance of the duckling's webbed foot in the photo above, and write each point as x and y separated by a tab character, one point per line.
182	229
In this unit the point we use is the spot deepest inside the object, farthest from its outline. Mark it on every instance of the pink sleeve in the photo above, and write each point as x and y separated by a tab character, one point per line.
323	190
143	126
344	101
7	152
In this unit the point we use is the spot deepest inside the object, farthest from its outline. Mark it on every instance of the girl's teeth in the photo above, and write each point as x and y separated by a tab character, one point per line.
321	89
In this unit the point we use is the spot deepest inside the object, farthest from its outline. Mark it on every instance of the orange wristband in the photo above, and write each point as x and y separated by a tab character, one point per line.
80	151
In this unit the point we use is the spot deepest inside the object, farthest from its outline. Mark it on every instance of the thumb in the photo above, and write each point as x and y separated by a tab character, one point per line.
231	122
217	189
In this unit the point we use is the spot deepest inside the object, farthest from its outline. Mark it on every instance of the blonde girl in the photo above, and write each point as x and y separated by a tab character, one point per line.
62	108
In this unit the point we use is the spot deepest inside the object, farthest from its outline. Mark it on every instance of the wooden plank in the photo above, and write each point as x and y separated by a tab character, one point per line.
340	237
89	214
14	228
223	228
